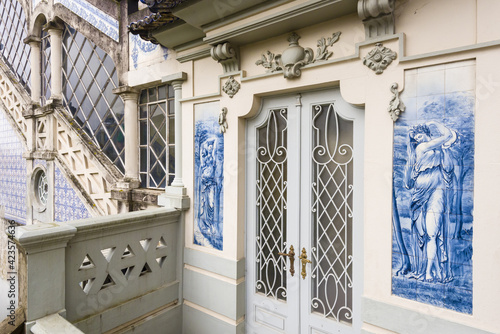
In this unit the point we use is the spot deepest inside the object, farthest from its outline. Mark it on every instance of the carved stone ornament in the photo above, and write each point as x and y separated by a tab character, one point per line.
396	106
379	58
295	57
227	56
231	87
323	43
222	120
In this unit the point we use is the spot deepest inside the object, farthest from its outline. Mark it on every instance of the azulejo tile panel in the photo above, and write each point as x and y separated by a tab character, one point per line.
208	177
433	184
142	51
68	205
12	173
94	16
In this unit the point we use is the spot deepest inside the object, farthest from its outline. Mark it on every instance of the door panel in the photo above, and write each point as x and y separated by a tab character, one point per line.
303	191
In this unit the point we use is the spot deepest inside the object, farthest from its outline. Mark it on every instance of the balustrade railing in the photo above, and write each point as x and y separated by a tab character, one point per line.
103	272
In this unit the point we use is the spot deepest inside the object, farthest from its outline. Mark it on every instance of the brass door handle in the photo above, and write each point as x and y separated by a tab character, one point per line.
291	255
304	260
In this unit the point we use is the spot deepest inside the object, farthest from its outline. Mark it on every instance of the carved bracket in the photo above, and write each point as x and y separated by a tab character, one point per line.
379	58
231	87
396	106
377	16
227	56
295	56
222	120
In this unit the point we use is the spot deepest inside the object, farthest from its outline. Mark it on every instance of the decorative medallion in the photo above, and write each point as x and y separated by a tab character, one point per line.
379	58
40	189
223	120
231	87
396	106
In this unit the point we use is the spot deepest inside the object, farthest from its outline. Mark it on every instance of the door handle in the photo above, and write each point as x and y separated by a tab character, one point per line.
304	260
291	255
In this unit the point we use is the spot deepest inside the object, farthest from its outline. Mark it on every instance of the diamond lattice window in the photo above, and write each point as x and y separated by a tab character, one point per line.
157	145
13	31
89	76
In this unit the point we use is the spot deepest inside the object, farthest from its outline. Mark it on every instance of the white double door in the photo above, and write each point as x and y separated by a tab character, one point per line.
304	192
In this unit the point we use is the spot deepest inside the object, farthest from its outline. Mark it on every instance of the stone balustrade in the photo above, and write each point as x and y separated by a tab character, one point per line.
105	273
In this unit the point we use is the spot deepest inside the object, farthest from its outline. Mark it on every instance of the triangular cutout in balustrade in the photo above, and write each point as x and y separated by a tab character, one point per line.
161	244
161	260
86	284
146	269
145	243
87	263
127	271
108	282
128	252
108	252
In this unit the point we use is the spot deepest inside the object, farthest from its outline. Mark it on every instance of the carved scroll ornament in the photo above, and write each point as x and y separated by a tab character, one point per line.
396	106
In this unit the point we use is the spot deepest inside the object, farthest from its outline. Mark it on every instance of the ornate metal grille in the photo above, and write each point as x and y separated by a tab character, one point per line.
272	205
46	69
332	190
13	30
157	136
89	76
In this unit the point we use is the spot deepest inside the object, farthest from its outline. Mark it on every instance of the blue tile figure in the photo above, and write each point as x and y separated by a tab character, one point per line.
209	161
433	197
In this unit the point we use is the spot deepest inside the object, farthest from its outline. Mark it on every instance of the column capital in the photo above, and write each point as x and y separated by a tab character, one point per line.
53	26
32	40
127	92
173	78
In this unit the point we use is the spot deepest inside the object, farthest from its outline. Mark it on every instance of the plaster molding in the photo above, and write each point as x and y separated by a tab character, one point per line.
379	58
231	87
223	120
227	55
396	106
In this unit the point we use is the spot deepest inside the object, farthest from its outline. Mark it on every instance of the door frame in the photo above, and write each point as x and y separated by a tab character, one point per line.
293	102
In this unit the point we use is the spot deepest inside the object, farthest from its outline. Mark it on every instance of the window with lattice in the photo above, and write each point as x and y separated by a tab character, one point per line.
157	133
89	77
13	30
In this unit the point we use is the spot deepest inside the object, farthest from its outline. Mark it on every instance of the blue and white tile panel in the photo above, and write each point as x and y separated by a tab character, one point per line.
94	16
68	205
143	52
12	173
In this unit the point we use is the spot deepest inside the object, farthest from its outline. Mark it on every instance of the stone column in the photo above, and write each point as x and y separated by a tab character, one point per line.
35	63
55	31
130	97
177	182
175	194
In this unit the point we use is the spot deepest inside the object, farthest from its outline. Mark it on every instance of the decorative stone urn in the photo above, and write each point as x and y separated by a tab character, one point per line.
294	57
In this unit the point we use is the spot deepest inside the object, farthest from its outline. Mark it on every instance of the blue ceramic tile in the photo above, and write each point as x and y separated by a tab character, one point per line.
434	194
68	205
12	173
93	15
208	178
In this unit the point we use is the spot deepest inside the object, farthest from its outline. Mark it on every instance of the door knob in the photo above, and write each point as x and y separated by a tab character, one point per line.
304	260
291	255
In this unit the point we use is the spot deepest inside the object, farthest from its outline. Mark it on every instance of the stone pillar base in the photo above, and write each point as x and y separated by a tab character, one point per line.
174	197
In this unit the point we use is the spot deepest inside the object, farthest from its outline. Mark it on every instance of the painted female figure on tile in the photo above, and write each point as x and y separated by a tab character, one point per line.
209	161
429	175
433	185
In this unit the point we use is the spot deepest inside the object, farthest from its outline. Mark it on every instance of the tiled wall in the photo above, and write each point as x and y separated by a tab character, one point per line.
68	205
12	173
93	15
433	187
